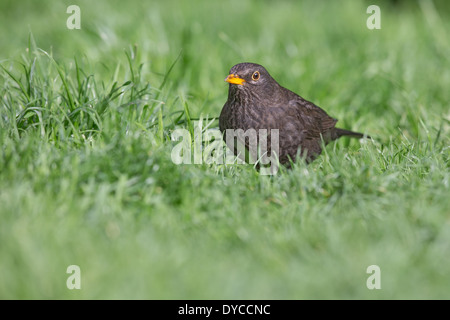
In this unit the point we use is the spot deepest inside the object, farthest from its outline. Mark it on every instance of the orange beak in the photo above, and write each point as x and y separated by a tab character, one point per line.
234	79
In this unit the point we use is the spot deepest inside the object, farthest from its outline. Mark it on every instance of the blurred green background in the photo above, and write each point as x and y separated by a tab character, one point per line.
140	226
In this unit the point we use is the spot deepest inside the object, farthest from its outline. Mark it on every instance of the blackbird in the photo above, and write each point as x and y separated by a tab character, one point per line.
256	101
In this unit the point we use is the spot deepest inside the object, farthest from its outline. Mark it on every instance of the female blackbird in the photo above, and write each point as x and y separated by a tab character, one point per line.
256	101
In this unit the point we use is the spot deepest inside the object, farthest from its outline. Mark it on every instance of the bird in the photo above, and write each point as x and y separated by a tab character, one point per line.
256	101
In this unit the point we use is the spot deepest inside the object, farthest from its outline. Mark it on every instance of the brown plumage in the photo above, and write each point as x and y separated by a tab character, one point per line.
257	101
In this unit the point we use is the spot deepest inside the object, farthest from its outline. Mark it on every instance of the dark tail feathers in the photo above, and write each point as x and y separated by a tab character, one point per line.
343	132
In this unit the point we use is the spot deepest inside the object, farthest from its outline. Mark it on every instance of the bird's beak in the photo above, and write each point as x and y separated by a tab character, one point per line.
234	79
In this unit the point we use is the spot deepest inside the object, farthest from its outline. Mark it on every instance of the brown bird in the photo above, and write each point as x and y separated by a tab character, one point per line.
256	101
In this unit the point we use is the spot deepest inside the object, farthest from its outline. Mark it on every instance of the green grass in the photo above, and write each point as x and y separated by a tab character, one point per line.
86	176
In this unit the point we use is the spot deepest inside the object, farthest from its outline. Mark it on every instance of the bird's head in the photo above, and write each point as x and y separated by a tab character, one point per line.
246	78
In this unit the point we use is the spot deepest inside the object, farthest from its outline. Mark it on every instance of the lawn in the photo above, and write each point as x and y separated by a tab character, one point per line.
86	132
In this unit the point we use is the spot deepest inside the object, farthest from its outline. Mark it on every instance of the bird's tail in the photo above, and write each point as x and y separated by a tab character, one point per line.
343	132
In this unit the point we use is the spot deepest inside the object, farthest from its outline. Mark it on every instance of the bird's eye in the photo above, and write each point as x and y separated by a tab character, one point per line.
255	76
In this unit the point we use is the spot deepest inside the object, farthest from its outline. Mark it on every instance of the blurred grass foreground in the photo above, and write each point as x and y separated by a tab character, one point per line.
86	176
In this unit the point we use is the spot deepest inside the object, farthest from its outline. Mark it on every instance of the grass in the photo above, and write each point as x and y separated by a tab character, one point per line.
86	176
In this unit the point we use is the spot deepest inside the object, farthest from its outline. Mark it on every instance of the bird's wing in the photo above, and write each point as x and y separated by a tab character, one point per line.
316	121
